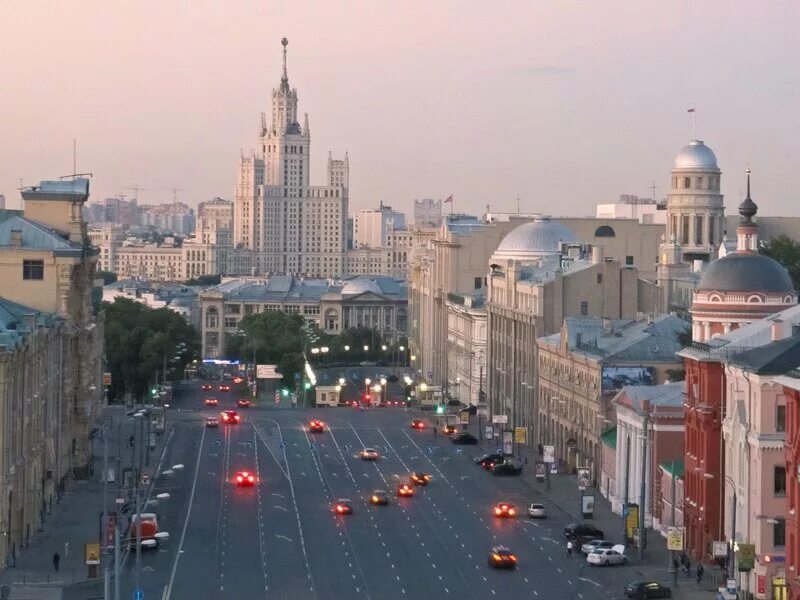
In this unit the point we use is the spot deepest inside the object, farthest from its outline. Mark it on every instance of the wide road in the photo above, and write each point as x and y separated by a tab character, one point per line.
280	538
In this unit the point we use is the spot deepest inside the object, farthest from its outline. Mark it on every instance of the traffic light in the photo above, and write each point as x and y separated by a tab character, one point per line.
154	392
440	409
307	385
285	392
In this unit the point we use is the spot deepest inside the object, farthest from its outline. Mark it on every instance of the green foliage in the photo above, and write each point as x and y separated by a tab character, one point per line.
204	280
786	251
674	375
106	276
137	340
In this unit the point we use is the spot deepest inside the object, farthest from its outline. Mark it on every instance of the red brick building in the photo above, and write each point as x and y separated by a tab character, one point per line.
791	386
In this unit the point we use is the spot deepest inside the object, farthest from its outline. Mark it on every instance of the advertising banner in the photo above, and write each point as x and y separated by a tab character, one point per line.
520	435
587	506
267	372
675	538
616	378
499	419
719	549
746	555
464	416
549	454
489	432
584	478
92	553
632	519
508	443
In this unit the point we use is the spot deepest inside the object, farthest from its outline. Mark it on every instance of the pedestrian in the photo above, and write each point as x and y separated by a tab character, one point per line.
569	548
688	567
675	564
56	561
434	433
700	571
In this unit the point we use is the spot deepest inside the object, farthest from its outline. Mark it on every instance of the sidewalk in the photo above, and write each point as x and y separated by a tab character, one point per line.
75	518
564	493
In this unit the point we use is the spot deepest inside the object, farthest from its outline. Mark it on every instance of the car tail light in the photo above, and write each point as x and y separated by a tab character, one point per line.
239	478
374	498
497	511
236	418
511	511
339	508
251	479
513	558
497	557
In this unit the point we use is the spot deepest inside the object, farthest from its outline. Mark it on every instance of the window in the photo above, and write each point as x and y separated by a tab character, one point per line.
231	322
685	229
477	283
779	480
599	278
780	419
33	269
687	182
212	317
584	308
779	533
711	230
629	260
698	229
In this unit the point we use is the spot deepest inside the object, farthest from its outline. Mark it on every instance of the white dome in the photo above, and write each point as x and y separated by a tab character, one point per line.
536	238
696	156
360	285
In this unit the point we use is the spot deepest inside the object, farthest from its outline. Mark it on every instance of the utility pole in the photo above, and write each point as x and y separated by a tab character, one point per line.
643	485
104	520
672	568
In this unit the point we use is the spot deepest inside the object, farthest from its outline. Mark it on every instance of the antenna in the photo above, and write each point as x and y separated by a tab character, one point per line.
74	155
517	203
653	187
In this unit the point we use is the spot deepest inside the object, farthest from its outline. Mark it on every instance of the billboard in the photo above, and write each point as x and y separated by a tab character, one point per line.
616	378
267	372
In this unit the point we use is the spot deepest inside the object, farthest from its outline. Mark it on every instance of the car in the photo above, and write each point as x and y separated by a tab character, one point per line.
231	417
502	558
224	388
212	422
479	460
369	454
643	590
206	387
464	438
316	426
379	497
582	532
506	468
244	479
238	380
504	510
537	511
449	429
417	424
598	544
343	506
404	490
243	403
210	401
494	459
418	478
604	557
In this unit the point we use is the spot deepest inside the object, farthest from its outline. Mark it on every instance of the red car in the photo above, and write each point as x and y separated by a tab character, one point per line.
210	401
224	388
230	416
504	509
417	424
343	506
244	479
206	387
243	403
316	426
404	490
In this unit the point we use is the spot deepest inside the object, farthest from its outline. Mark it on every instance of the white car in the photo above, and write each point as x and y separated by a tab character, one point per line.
593	545
537	511
607	556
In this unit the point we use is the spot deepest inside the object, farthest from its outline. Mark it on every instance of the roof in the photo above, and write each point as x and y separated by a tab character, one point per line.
746	272
775	358
609	438
57	189
673	467
696	155
537	237
36	236
13	325
666	395
623	340
285	288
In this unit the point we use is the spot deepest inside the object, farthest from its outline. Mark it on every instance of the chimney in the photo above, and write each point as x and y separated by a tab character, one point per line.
29	319
16	238
597	255
780	330
607	324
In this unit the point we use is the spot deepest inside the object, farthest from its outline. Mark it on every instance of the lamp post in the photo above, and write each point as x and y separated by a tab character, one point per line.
731	557
367	381
383	390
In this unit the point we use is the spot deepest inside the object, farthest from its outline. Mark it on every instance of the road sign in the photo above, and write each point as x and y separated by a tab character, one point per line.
675	538
747	556
106	379
482	409
719	549
549	454
464	417
499	418
138	595
489	432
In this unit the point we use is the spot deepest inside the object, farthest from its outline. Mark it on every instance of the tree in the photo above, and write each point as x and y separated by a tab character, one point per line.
786	251
138	341
204	280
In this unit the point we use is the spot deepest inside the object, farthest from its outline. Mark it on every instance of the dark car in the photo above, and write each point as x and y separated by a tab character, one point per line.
506	468
464	438
582	532
640	590
502	558
243	403
479	460
494	459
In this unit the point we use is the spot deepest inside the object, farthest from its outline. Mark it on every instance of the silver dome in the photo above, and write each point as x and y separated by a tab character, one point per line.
360	285
536	238
696	156
745	272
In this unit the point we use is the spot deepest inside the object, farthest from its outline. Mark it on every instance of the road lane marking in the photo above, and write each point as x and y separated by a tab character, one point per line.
188	514
269	449
283	537
427	458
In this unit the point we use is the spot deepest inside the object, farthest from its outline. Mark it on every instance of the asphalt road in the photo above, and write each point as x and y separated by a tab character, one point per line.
280	538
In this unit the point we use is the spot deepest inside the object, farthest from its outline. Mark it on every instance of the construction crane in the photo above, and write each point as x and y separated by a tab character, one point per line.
136	189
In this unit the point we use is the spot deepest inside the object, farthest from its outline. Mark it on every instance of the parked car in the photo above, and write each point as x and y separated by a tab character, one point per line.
464	438
507	468
597	544
582	532
604	557
644	590
484	458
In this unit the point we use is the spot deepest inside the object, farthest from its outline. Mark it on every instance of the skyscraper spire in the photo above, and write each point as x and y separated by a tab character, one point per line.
285	78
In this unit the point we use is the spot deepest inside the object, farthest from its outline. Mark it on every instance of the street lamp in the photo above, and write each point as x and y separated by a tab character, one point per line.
346	348
366	348
342	381
383	347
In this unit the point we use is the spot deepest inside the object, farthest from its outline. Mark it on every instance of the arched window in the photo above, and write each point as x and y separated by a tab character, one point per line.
212	317
604	231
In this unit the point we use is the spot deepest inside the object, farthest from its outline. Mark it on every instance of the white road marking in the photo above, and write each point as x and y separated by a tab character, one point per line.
590	581
283	537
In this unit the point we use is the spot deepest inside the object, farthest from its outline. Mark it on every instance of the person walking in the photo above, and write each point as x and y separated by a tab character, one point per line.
56	561
688	568
700	571
569	549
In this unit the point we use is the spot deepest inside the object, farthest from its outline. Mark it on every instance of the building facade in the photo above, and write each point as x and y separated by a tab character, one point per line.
290	226
428	212
466	347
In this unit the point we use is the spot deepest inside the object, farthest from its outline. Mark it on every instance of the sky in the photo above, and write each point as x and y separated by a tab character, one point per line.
560	104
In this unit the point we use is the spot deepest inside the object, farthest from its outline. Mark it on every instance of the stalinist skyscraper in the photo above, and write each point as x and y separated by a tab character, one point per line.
290	226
